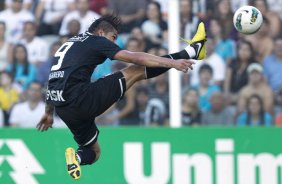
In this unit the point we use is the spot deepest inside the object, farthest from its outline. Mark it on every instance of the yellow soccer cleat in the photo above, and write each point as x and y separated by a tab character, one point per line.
73	166
198	42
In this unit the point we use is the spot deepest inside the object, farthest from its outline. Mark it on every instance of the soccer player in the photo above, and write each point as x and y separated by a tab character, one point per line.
77	101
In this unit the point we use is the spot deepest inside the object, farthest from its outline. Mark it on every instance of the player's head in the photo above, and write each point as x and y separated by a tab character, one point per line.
106	26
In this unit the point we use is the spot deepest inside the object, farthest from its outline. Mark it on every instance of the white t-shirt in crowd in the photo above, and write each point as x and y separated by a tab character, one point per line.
25	117
4	56
217	64
85	21
54	9
14	23
37	49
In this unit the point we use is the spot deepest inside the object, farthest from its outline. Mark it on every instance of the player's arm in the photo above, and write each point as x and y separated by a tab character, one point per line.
47	119
144	59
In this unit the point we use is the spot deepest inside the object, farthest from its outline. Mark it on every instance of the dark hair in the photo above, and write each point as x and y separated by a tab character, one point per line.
206	67
15	61
107	23
158	7
252	55
261	112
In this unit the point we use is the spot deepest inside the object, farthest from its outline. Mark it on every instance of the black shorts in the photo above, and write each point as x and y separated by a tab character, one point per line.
80	115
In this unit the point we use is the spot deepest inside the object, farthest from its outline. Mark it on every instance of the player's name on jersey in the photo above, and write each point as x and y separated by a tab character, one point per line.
78	38
55	95
56	75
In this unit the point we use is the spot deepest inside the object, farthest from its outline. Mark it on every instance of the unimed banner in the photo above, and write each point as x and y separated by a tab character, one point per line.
147	156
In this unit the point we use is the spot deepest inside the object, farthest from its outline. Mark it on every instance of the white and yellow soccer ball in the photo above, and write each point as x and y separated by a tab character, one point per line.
247	19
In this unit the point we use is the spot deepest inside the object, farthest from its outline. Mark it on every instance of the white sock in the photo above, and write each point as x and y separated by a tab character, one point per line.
191	51
78	158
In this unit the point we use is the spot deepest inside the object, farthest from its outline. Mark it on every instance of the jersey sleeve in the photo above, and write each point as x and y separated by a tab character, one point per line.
106	48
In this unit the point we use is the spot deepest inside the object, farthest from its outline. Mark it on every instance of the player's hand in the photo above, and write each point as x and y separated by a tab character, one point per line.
183	65
45	122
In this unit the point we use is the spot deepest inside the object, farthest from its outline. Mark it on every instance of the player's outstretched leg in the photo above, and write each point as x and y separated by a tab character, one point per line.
195	50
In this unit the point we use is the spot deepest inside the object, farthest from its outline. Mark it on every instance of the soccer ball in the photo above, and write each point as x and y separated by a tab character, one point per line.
247	19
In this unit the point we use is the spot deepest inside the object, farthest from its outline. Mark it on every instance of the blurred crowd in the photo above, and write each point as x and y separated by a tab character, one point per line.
239	83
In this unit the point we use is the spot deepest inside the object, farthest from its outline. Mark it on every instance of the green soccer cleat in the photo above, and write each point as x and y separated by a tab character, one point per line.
198	42
73	166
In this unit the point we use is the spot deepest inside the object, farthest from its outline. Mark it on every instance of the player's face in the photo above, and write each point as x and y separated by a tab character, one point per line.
111	35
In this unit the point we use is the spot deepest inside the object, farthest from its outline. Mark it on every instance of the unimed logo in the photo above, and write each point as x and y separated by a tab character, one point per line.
180	168
17	163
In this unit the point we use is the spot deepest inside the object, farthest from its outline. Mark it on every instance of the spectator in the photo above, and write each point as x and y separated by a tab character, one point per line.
154	27
273	17
139	34
4	47
82	14
191	114
218	114
236	74
37	48
256	86
99	6
156	113
223	46
50	13
44	69
1	118
272	65
27	4
8	95
135	45
142	99
262	42
14	17
215	61
158	89
27	114
188	21
23	71
204	87
73	28
223	13
255	114
132	15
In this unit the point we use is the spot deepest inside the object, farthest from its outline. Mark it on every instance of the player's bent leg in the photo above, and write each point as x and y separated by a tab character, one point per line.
96	148
73	166
89	154
133	74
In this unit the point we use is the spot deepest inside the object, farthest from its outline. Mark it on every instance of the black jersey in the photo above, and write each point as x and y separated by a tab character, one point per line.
74	64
